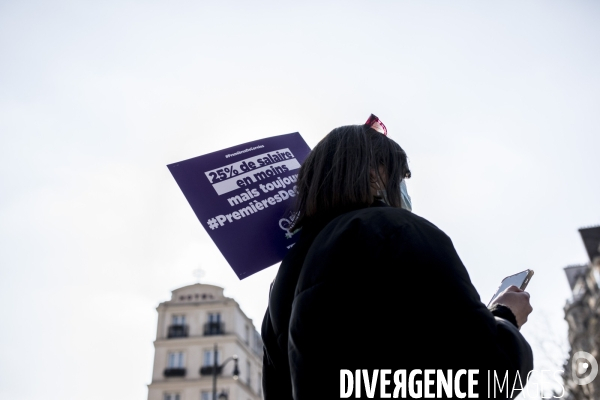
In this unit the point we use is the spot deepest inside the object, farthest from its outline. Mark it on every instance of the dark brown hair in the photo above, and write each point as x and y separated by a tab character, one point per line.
336	175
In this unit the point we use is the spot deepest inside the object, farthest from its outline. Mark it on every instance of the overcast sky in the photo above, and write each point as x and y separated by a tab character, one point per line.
496	104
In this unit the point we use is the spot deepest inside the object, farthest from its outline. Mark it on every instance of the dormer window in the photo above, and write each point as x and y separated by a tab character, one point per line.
596	274
579	289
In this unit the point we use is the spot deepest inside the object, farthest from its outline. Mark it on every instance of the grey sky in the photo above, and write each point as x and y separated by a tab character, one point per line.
496	104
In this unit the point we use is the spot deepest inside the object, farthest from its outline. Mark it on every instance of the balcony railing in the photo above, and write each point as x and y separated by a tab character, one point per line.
208	370
214	328
177	331
171	372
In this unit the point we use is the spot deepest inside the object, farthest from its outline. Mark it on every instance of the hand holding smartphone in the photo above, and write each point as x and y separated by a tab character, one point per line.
520	280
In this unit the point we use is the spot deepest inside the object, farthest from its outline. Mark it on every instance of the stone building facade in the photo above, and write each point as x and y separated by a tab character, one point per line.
196	327
582	312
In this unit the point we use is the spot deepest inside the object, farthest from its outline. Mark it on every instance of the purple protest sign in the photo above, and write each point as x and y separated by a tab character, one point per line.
243	196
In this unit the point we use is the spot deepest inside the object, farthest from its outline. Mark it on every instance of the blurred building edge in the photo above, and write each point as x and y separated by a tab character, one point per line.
197	318
582	313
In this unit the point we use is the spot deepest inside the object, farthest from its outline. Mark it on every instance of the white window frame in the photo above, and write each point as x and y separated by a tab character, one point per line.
249	376
214	317
207	358
178	319
175	359
259	384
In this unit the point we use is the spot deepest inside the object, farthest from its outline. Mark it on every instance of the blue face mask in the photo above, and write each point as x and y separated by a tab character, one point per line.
405	201
404	197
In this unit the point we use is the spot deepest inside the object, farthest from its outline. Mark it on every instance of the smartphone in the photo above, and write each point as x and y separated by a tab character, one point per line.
520	280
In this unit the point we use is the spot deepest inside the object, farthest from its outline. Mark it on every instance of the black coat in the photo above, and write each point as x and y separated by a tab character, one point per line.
379	288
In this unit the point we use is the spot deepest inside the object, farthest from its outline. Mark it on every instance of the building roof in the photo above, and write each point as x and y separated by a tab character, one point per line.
591	241
573	272
197	285
198	292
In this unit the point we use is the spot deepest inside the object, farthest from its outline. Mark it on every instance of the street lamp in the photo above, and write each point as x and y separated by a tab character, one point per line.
236	373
